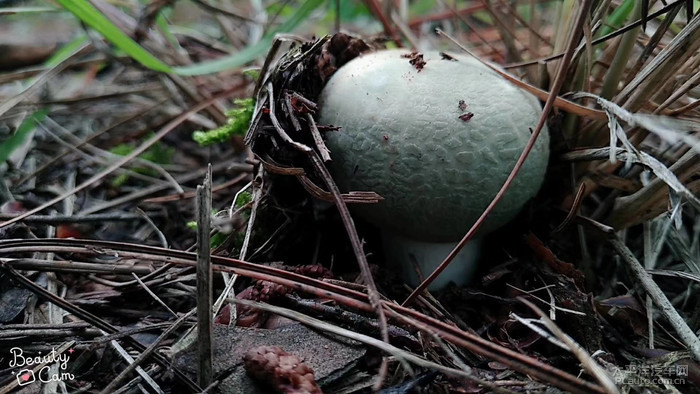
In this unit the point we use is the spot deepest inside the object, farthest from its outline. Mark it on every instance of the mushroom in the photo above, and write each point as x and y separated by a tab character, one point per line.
436	136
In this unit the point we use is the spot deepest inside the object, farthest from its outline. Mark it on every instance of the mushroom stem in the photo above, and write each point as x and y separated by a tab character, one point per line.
410	256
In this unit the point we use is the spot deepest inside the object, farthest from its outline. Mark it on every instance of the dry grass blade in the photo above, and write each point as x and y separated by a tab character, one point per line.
660	300
666	9
670	129
645	159
40	80
588	363
146	353
119	163
658	70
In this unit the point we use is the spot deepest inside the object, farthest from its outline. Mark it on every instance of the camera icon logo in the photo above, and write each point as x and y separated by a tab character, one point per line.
25	377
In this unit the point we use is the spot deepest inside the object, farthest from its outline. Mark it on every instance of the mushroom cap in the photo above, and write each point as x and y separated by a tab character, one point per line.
406	133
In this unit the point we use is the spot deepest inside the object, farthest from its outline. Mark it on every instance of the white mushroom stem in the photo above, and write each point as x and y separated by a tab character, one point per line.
410	257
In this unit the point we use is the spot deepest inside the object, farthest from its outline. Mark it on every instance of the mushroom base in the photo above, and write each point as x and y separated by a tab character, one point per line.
409	256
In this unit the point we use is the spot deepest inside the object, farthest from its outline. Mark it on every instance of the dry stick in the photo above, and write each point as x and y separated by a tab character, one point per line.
257	184
652	44
376	9
228	280
150	223
47	334
191	194
372	292
318	140
153	295
652	289
62	219
405	30
119	163
101	156
685	88
558	82
205	374
684	109
473	29
525	24
254	271
28	72
508	36
143	375
146	353
127	332
345	296
95	158
573	211
450	13
129	386
75	267
44	326
143	192
224	11
593	368
150	279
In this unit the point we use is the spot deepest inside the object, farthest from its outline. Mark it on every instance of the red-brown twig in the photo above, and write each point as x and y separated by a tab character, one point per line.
350	298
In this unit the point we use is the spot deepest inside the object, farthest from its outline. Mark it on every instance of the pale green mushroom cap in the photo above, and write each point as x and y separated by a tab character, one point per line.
401	136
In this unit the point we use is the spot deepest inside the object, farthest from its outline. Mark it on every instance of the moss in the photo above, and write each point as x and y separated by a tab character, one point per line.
237	124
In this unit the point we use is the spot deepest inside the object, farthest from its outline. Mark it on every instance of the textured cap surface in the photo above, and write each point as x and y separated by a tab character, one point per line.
437	141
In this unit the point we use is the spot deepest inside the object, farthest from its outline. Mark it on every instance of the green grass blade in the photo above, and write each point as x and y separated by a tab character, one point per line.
15	141
618	17
251	52
94	18
66	51
244	56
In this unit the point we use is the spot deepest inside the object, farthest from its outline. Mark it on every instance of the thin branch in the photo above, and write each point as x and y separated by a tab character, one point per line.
645	280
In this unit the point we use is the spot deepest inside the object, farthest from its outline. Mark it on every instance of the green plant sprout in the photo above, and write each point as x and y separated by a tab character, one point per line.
237	124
